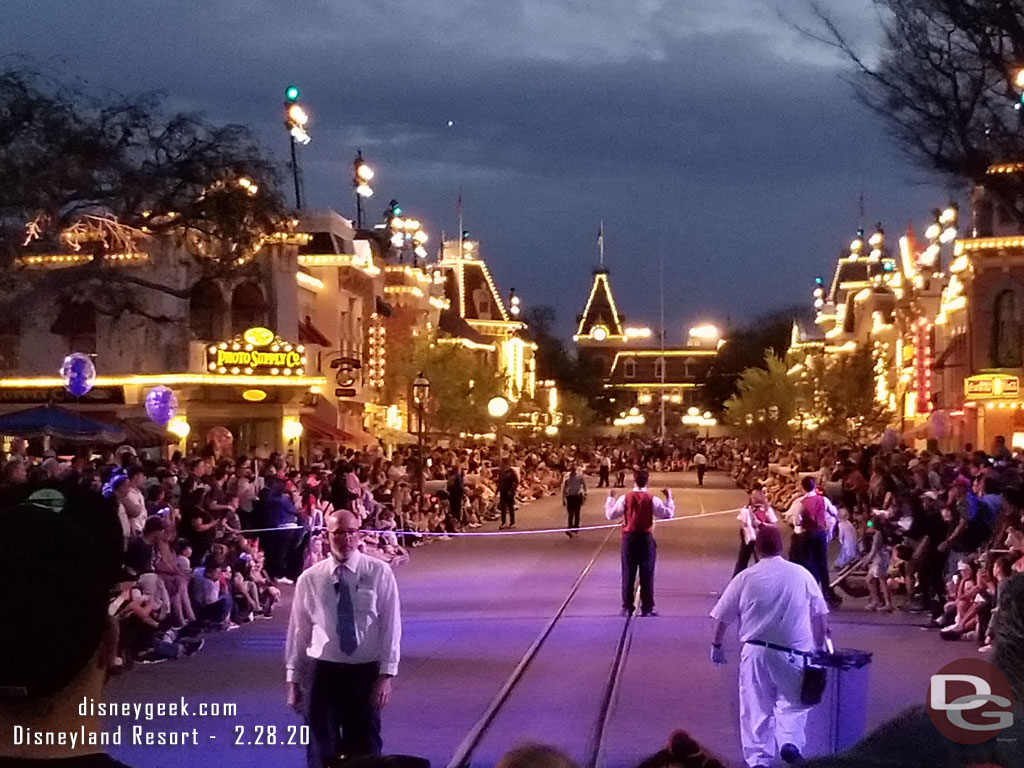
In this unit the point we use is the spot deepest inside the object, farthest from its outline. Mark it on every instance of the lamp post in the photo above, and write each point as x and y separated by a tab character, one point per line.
406	232
420	393
497	408
362	174
295	119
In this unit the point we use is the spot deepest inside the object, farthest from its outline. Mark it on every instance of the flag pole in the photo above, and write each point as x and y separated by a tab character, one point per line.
458	210
600	244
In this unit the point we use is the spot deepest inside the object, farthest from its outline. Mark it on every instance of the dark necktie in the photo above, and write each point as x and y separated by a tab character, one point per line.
346	615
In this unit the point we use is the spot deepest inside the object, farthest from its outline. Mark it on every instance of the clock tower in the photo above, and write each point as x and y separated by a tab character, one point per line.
600	333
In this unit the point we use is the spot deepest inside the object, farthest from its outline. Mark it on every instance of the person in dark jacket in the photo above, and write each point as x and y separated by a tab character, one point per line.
456	493
283	543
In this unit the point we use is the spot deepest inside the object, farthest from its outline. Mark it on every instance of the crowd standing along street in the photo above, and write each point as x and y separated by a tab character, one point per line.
287	485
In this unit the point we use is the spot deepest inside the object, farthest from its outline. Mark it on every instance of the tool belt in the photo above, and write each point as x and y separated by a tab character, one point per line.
813	687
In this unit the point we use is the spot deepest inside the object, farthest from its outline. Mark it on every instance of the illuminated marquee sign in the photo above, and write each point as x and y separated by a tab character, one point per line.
257	352
990	386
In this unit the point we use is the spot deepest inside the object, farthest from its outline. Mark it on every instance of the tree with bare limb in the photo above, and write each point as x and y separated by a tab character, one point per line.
98	177
945	84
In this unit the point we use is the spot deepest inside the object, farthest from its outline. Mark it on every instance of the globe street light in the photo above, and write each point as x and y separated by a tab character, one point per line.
295	120
497	408
362	174
420	393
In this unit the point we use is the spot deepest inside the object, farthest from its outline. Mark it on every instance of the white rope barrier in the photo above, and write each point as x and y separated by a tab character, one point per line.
528	532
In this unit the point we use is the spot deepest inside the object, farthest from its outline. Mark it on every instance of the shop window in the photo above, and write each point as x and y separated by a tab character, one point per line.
206	311
850	321
76	322
1006	330
248	307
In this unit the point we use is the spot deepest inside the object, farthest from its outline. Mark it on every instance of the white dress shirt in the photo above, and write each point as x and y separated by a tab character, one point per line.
135	510
747	519
312	628
796	509
616	508
774	601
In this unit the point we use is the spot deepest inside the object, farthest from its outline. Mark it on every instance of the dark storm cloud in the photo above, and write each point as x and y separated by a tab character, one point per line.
707	133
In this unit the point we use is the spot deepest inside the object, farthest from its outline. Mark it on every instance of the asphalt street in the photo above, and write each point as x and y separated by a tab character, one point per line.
473	606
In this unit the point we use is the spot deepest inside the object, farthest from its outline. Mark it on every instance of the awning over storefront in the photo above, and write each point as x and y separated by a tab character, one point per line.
320	429
396	436
143	433
54	421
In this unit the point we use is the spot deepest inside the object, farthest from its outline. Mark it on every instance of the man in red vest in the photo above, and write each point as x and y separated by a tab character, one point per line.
638	508
813	517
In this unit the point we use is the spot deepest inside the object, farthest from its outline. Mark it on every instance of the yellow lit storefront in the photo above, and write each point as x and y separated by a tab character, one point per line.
255	386
993	402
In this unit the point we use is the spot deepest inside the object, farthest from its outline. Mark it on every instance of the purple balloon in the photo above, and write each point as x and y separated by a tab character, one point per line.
161	405
79	374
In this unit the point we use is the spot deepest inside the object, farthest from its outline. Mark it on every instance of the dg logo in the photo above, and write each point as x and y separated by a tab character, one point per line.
970	701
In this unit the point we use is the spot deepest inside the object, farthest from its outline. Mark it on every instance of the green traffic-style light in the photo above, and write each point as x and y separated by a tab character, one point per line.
291	93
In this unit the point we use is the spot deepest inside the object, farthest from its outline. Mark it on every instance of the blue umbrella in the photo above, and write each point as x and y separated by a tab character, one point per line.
54	421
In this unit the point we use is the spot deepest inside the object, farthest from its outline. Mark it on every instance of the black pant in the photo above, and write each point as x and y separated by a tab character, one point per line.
455	504
573	505
810	549
284	549
701	469
507	507
746	551
638	555
602	477
340	701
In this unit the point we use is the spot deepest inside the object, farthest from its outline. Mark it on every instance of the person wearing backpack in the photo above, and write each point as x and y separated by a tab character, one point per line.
755	514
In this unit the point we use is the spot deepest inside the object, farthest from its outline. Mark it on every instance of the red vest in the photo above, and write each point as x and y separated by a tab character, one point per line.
813	517
639	512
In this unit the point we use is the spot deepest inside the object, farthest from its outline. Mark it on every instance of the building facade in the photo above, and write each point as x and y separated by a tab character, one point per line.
638	373
942	318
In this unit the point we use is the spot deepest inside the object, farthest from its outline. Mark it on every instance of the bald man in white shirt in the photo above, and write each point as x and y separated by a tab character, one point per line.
346	621
782	622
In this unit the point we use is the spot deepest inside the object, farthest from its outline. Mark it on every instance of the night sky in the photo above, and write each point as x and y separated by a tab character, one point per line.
705	132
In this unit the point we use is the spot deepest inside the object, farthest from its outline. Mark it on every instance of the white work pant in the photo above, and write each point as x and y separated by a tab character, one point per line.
770	710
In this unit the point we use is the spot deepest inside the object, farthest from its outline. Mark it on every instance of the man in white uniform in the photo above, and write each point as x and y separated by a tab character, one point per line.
782	620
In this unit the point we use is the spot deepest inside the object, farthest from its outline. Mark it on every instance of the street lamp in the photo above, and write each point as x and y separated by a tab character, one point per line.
420	393
362	174
295	120
406	232
941	231
497	408
514	305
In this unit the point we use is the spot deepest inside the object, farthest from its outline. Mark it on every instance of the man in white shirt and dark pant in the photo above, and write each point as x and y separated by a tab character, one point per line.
638	509
782	622
700	461
347	622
